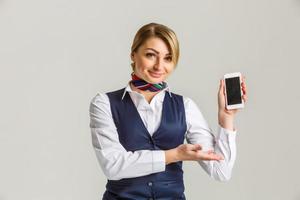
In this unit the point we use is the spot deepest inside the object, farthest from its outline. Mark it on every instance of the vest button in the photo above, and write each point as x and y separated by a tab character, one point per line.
150	184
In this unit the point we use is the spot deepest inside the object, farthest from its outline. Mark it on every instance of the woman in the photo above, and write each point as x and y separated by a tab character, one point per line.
138	131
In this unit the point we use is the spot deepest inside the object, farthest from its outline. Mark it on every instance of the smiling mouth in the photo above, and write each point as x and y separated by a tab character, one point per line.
155	75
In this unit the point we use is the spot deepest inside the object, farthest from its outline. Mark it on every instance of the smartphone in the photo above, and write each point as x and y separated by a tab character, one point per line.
233	91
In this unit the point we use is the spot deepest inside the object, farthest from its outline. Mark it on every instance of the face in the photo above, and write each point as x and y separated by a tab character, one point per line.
153	61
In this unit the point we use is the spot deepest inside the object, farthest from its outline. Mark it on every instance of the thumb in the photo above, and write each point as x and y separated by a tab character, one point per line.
196	147
221	87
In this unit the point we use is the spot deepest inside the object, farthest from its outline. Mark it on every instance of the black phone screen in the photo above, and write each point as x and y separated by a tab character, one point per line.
233	90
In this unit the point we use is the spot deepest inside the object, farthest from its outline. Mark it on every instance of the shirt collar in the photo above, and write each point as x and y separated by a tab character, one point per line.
128	89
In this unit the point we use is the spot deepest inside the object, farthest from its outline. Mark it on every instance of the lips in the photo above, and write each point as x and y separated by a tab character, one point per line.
155	75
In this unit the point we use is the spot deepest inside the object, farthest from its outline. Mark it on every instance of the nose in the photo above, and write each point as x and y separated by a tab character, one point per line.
159	64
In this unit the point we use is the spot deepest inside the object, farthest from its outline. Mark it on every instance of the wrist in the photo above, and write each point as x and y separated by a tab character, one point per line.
171	156
226	121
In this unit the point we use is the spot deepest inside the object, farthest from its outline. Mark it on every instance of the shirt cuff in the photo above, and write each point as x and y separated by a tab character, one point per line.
225	134
158	161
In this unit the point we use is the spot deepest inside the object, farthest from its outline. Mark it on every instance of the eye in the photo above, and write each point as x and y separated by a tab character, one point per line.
150	54
169	58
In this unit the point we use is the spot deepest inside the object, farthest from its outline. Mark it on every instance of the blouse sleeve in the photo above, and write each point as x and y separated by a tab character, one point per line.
198	132
115	161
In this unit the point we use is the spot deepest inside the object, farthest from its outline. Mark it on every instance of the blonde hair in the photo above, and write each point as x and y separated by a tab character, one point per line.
160	31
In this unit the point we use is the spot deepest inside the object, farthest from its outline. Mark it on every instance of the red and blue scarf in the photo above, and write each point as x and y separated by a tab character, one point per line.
143	85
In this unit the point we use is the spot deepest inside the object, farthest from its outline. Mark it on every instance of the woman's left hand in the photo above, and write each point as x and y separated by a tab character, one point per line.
225	116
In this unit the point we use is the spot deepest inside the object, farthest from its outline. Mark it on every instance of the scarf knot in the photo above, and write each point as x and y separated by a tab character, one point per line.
144	85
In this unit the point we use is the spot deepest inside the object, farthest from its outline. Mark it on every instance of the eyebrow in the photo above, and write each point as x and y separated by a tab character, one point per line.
157	51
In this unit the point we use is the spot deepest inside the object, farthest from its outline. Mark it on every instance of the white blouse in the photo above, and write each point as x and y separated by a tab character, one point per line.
117	163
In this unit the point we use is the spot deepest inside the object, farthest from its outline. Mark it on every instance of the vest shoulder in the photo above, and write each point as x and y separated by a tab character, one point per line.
116	92
115	95
176	95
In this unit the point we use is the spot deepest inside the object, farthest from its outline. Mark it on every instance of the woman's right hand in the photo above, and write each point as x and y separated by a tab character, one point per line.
190	152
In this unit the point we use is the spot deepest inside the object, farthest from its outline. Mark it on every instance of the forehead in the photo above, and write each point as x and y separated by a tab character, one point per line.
157	44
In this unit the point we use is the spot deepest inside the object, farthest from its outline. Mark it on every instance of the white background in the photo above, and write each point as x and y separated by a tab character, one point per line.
55	55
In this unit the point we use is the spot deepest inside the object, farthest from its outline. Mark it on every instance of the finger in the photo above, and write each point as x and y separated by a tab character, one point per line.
244	91
223	86
213	153
221	156
210	151
244	98
243	84
243	78
199	147
218	156
244	95
220	86
210	156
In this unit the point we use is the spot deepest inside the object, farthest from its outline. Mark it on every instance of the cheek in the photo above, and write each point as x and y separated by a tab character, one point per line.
142	65
170	68
145	63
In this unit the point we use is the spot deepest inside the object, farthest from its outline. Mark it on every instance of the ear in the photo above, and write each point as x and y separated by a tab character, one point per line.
132	56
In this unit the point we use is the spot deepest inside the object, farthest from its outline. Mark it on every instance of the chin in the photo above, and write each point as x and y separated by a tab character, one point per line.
152	79
155	80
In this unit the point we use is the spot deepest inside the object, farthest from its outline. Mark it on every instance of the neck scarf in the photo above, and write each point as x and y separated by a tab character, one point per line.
143	85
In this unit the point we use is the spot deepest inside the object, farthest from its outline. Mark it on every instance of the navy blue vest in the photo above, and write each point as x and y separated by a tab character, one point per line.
133	135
